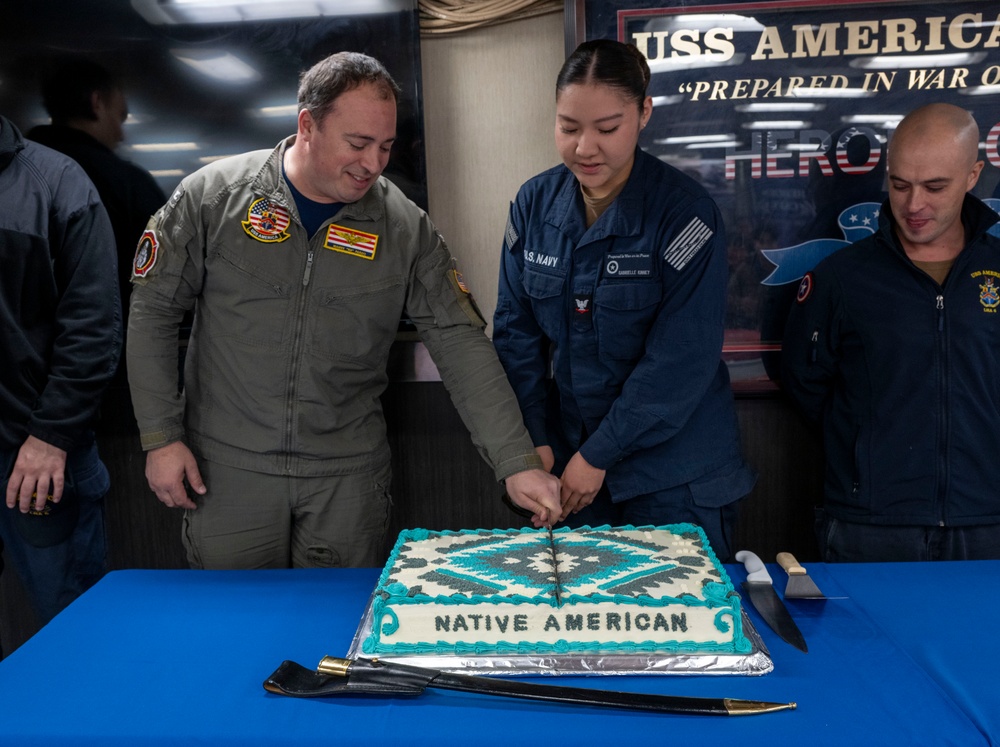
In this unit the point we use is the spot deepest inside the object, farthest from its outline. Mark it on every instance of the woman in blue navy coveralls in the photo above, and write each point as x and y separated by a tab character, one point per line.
610	316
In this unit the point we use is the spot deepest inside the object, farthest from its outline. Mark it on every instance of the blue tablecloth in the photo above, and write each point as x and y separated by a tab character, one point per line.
179	657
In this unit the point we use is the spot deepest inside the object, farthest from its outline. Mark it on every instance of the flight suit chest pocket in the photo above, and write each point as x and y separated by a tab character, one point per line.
356	323
249	301
623	315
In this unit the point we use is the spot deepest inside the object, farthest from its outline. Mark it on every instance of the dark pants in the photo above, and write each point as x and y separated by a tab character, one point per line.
848	542
53	576
672	506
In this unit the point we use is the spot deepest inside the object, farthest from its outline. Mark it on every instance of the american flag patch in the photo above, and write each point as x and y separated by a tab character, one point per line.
510	235
350	241
687	243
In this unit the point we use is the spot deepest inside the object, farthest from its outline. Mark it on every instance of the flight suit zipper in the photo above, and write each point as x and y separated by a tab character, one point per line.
293	374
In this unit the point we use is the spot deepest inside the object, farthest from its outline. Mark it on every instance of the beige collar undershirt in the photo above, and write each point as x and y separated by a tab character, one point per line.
937	269
594	207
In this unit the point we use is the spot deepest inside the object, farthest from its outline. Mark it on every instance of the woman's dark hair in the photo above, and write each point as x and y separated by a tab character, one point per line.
610	63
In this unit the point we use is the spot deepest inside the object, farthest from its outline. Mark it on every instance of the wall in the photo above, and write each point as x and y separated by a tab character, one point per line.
489	111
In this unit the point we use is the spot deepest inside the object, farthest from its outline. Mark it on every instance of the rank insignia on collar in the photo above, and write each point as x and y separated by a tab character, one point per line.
350	241
145	254
267	221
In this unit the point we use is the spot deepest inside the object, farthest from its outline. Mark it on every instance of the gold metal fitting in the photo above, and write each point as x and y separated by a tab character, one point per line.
333	666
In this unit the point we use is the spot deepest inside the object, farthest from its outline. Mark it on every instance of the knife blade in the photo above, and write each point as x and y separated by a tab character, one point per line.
555	568
765	600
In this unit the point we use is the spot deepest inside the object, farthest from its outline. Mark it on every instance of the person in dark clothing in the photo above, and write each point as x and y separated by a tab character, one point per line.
891	348
613	277
88	108
60	340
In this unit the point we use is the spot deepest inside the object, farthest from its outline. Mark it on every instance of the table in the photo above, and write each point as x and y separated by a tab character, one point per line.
179	657
962	654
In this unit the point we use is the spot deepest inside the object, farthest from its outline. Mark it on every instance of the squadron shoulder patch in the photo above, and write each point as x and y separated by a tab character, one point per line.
350	241
267	221
145	254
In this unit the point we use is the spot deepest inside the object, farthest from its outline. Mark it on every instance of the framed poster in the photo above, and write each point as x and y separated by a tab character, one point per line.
782	109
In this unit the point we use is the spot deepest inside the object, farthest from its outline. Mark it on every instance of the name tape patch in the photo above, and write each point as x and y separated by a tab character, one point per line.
350	241
631	265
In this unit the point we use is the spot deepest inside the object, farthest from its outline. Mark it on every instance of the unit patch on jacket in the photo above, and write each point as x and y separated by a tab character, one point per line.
350	241
687	243
267	221
989	291
145	254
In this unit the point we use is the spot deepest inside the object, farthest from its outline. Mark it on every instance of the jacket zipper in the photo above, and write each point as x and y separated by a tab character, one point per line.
296	364
944	421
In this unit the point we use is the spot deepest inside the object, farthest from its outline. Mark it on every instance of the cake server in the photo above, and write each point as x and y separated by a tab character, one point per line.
765	600
800	586
336	676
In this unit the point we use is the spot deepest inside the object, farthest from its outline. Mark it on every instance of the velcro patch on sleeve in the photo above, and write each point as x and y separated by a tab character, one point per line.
687	243
465	300
510	234
145	254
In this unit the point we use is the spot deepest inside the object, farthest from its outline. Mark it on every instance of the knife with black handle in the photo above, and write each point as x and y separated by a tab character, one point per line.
765	600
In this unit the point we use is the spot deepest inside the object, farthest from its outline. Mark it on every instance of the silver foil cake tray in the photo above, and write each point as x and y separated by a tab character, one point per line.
758	661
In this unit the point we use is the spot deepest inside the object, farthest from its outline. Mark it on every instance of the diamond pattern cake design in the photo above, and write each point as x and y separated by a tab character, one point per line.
600	563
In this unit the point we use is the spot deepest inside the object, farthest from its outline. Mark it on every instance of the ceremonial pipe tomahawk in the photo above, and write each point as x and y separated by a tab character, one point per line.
373	677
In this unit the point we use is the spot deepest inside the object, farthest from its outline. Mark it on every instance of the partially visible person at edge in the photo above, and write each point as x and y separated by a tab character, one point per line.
892	348
88	108
298	263
60	339
614	269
